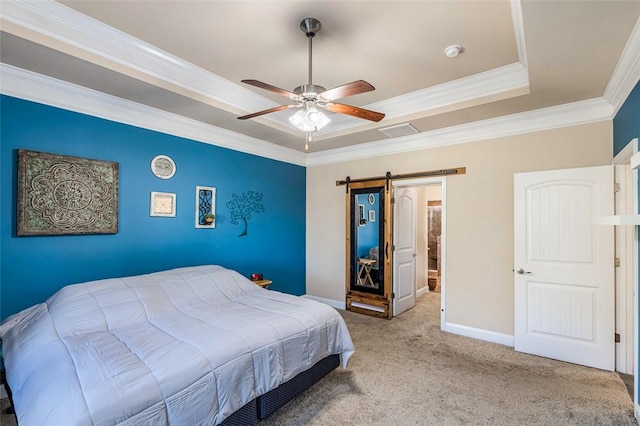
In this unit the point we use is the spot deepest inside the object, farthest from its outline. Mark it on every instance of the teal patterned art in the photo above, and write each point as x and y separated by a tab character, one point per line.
63	195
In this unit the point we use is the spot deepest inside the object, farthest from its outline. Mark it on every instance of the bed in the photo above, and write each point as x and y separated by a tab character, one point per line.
196	345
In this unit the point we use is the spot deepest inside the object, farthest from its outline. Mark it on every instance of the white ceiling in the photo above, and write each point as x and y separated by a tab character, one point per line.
189	57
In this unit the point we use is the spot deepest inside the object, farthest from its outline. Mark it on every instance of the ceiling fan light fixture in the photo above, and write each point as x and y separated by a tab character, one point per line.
309	119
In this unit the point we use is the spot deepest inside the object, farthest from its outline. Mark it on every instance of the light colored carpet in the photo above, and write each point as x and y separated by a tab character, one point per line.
407	372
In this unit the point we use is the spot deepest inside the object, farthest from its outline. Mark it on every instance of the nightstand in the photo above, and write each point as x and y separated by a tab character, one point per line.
263	283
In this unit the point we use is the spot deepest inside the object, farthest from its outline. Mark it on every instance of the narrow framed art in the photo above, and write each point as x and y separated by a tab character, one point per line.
205	207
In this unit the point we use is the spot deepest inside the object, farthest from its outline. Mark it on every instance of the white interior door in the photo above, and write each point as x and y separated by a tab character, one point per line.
564	265
404	256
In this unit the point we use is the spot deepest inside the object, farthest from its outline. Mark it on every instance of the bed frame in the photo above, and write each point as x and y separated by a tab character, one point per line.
264	405
267	404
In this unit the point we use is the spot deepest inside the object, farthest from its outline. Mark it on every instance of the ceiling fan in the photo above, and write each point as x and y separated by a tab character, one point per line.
309	97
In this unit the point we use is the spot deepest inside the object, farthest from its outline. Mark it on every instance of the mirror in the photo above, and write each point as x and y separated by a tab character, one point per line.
367	240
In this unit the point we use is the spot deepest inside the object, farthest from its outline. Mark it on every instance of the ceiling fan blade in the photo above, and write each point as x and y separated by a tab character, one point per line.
271	88
267	111
354	111
349	89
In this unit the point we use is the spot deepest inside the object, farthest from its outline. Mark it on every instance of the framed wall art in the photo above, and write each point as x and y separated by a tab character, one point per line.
163	204
163	166
205	207
65	195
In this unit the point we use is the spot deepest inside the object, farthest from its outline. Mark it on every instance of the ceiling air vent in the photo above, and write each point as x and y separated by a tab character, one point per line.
399	130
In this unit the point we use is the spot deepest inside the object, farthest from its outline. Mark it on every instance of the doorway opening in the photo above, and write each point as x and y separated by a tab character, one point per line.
429	249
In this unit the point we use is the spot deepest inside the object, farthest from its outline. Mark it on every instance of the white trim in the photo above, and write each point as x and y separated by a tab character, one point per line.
627	72
77	34
337	304
629	219
34	87
626	154
57	26
518	29
583	112
62	28
466	91
625	250
423	290
477	333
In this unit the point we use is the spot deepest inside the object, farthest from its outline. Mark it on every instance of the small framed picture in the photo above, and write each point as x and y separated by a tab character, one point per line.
362	220
372	215
163	204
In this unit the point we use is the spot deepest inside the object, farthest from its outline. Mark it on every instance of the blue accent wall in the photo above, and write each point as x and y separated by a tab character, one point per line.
33	268
626	124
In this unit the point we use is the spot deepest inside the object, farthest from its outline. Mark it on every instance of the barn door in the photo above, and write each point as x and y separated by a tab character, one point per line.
368	280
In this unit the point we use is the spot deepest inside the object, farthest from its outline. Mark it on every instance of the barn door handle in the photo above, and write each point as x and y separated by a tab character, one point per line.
386	250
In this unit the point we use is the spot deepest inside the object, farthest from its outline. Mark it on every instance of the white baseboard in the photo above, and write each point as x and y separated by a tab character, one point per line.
478	333
338	304
423	290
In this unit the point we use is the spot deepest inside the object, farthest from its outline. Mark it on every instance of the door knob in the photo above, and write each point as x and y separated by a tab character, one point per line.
522	271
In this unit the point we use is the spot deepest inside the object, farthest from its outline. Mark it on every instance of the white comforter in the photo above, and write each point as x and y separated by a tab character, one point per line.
187	346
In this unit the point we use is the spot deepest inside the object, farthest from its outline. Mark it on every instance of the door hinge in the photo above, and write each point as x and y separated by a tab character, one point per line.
393	247
393	295
616	262
617	337
393	200
616	187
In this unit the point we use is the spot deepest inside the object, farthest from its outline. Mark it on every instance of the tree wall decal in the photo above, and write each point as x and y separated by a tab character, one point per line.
243	206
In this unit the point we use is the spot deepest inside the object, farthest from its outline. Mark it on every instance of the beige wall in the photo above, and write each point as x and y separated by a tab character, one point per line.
479	246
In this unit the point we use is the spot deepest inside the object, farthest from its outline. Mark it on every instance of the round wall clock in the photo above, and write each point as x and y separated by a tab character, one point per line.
372	199
163	166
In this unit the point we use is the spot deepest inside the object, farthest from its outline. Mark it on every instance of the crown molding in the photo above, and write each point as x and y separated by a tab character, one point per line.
512	78
573	114
60	27
488	83
627	72
57	26
518	29
35	87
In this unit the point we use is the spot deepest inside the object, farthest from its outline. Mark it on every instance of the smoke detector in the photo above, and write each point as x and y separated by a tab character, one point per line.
453	50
